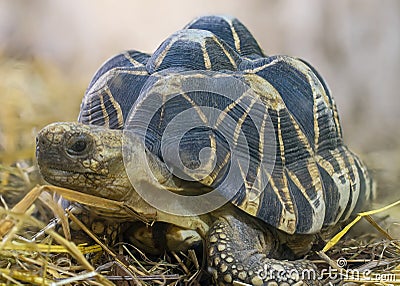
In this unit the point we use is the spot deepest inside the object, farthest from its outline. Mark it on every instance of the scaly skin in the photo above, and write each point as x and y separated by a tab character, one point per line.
240	251
240	248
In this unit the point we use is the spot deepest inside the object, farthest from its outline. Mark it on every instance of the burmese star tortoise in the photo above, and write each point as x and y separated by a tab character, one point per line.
258	141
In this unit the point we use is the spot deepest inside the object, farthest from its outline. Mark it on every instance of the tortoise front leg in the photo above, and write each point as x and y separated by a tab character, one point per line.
239	251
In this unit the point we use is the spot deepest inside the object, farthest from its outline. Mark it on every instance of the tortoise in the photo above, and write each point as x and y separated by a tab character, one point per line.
259	231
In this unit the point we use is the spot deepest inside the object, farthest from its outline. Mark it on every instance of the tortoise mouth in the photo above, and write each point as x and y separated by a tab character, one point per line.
52	172
82	181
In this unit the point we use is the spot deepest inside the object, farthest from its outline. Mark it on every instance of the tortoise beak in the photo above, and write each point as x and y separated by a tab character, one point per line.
48	148
54	151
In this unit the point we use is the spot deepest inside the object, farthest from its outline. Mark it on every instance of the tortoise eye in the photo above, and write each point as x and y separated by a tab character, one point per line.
78	145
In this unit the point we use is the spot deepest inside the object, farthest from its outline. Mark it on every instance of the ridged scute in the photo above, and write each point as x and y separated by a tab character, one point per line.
193	49
232	32
315	181
114	89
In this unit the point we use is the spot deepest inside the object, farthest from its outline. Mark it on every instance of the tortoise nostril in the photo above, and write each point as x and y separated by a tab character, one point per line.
41	142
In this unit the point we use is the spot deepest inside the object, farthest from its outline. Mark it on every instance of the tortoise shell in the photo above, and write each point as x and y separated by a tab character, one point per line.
315	180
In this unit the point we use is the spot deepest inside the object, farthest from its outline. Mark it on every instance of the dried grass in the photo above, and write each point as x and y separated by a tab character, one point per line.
32	252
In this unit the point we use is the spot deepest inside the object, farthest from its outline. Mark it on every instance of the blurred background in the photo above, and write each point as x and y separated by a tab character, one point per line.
49	50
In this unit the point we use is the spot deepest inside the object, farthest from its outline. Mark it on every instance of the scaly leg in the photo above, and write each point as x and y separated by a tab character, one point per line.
239	250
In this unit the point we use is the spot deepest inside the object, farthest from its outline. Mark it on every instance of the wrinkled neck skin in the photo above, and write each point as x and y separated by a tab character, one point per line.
147	172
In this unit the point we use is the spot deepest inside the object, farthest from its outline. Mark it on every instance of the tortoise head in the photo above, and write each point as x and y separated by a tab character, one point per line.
96	160
85	158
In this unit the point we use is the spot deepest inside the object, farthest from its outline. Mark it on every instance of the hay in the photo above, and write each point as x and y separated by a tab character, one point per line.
31	251
35	246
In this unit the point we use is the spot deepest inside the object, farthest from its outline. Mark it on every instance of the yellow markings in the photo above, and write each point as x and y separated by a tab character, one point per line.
213	147
301	136
208	180
243	174
222	165
89	102
228	55
250	202
162	111
341	161
103	109
354	184
239	124
332	108
261	131
102	81
206	57
315	116
266	93
325	164
256	70
235	36
230	107
135	72
165	90
117	108
336	118
318	211
368	192
223	114
251	206
259	184
343	188
134	62
100	87
315	175
162	55
280	140
201	114
241	120
288	217
316	88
